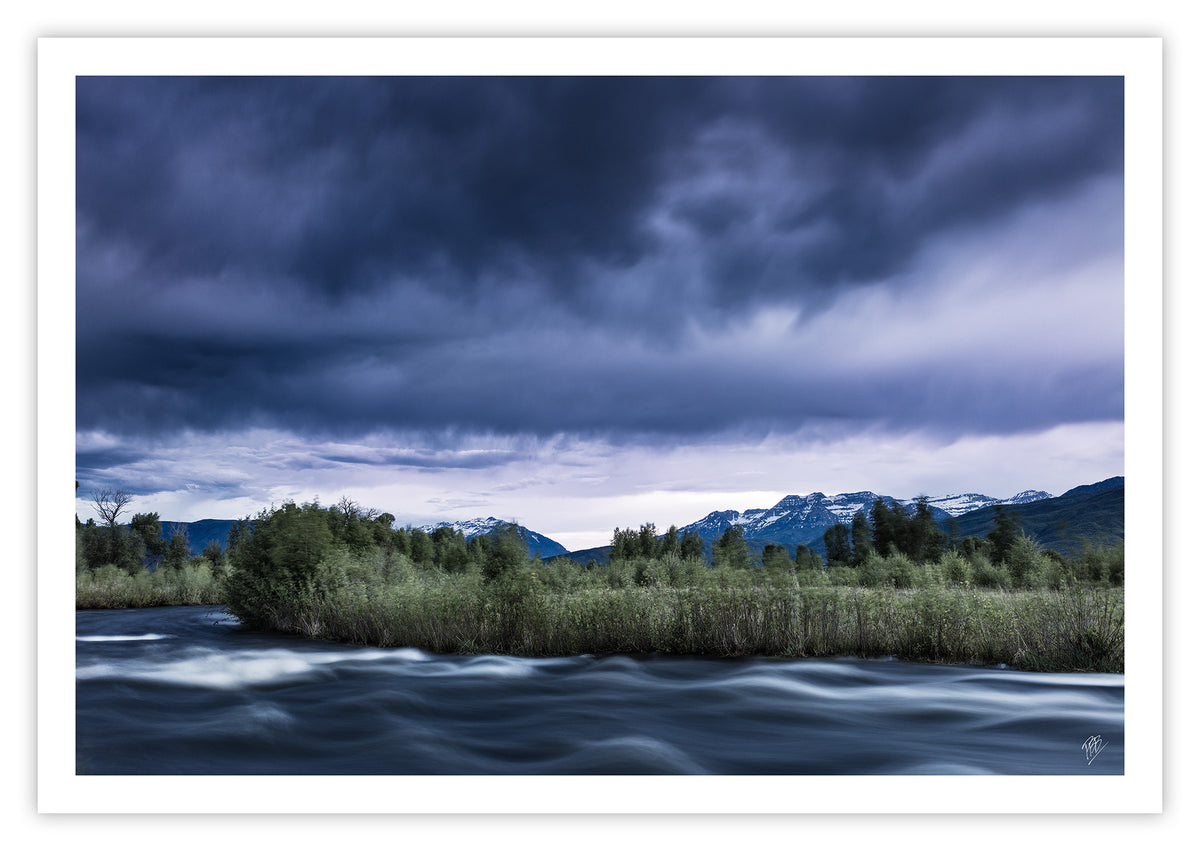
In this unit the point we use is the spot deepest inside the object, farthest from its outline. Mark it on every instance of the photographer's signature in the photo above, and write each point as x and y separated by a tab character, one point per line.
1092	748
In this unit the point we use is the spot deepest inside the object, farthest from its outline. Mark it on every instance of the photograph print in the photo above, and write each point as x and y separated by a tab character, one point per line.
600	425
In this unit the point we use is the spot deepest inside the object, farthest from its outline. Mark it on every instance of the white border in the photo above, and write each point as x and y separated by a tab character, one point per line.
1139	60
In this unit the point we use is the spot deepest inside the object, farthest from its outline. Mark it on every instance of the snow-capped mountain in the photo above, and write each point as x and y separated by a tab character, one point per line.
1027	496
794	519
484	525
799	519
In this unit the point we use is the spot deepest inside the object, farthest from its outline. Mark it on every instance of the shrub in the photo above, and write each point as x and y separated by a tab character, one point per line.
1028	564
989	575
901	572
873	572
955	569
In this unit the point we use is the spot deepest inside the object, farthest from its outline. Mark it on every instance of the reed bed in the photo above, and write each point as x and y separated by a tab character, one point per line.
1080	629
109	587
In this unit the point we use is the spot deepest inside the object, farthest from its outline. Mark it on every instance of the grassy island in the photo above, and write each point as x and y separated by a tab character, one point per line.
346	575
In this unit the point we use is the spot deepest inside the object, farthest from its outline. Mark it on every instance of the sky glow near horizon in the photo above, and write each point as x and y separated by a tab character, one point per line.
582	303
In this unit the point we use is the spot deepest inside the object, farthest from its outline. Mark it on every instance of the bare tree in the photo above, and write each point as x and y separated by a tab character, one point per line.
348	507
110	504
352	510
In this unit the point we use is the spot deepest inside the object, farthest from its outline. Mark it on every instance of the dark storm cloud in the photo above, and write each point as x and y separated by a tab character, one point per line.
342	184
537	254
425	460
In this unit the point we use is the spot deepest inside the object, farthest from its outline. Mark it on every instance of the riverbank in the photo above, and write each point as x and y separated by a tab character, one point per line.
1075	630
1079	629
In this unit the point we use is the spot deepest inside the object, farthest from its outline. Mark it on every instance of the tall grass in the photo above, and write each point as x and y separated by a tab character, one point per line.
110	587
1077	630
952	611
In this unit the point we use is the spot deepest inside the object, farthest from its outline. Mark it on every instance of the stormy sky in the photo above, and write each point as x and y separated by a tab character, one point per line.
580	303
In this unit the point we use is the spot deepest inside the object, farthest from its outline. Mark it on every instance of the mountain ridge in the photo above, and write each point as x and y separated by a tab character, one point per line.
1086	512
799	519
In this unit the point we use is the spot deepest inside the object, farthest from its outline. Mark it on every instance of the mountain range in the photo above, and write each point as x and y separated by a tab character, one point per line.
801	519
1094	512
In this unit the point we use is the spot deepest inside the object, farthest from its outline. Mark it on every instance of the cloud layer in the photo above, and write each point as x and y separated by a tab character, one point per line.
633	261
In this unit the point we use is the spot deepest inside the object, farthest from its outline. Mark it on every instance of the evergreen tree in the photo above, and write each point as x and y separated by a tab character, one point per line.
238	533
691	545
884	534
927	541
837	544
449	549
647	541
1006	526
381	531
214	554
177	551
806	559
402	541
731	550
668	545
420	548
775	557
860	538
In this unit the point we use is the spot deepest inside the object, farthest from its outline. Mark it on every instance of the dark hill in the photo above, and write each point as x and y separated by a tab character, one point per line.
1090	513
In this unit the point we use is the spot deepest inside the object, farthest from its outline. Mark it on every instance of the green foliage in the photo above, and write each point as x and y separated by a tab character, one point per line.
214	553
632	544
860	538
274	568
955	568
775	557
111	587
888	527
925	541
873	572
988	574
807	560
1097	564
970	546
894	529
505	551
1005	532
837	545
730	550
518	614
97	546
669	544
420	547
176	552
147	529
1028	564
344	573
691	545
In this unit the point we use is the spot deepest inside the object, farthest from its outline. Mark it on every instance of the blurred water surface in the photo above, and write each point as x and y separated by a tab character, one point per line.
188	691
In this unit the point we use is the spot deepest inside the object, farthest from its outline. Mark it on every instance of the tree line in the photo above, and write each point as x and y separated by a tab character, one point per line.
132	547
892	528
299	550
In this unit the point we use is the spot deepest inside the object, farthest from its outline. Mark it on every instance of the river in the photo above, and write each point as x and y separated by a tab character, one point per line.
188	691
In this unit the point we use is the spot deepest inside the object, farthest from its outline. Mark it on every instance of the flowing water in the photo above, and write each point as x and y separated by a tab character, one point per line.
188	691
